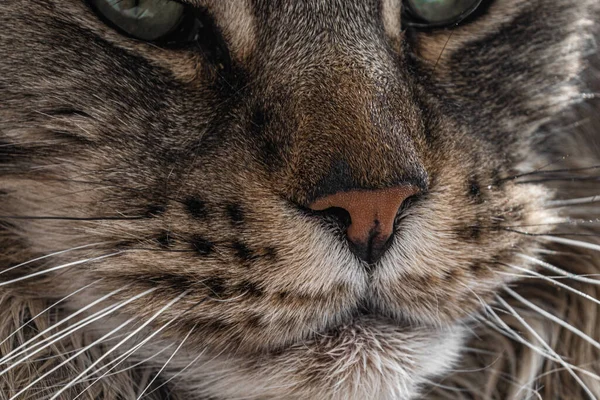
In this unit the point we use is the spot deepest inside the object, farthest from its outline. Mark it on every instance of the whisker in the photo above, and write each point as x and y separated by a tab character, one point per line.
507	331
549	348
570	202
551	317
115	347
551	234
51	255
121	359
129	352
566	221
83	309
559	271
443	49
167	362
178	373
556	283
513	335
47	309
67	265
61	218
573	254
550	171
93	318
553	277
577	243
115	330
572	178
579	368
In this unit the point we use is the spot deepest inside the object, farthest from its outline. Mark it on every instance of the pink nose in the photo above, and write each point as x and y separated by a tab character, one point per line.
372	216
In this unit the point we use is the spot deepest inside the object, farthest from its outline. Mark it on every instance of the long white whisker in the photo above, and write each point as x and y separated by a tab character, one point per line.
557	283
560	271
126	354
72	357
567	366
29	355
115	347
511	334
47	309
572	242
583	371
506	330
122	359
551	317
111	310
167	362
178	373
71	264
571	202
51	255
548	277
10	355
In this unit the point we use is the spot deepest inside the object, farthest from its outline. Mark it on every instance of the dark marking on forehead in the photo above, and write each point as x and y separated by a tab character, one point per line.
202	246
196	207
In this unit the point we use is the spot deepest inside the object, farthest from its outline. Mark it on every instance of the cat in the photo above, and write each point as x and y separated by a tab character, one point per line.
327	199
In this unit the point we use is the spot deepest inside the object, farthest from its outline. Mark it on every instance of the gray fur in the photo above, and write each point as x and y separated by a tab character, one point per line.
186	173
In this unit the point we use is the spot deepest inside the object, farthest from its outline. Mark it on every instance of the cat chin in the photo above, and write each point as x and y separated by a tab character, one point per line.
367	358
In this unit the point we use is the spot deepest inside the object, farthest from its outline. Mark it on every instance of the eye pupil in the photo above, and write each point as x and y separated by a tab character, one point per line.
438	13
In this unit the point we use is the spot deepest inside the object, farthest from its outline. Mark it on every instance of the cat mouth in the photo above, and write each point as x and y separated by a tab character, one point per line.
370	318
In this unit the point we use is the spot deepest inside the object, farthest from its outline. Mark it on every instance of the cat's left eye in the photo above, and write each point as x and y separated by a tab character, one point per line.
143	19
438	13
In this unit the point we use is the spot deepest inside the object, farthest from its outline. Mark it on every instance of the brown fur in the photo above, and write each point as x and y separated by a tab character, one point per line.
187	172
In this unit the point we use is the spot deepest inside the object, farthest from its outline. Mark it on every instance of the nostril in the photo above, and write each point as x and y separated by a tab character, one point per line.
335	215
368	215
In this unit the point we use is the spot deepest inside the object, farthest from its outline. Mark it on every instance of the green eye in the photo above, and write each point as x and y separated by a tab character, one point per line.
142	19
433	13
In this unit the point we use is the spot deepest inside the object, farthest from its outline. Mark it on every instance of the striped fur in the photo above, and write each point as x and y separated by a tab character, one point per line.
153	204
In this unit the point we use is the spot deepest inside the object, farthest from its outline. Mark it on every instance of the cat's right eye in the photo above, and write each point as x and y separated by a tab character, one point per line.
438	13
143	19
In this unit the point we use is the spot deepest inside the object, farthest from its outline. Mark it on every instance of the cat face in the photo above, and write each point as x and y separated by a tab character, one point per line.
187	175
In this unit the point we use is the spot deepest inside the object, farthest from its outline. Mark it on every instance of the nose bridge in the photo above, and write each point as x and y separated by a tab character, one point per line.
344	101
352	135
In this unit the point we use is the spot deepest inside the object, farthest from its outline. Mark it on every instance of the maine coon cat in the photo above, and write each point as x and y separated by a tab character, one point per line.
326	199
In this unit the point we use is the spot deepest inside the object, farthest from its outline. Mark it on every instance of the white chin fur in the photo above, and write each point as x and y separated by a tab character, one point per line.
367	359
